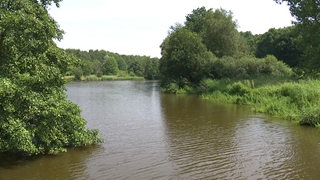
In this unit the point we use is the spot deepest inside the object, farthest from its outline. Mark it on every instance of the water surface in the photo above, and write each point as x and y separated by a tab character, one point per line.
149	135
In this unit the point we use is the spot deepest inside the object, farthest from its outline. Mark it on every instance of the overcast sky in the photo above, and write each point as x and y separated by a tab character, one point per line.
138	27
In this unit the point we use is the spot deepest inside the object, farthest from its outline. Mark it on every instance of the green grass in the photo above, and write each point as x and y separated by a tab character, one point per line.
109	78
298	101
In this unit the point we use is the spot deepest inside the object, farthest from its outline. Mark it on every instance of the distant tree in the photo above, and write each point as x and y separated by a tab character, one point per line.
77	71
152	69
250	41
97	67
122	65
184	58
136	66
283	43
110	66
306	13
95	62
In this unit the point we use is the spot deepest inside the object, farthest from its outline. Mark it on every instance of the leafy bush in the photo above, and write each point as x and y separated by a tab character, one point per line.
171	88
248	67
272	66
238	89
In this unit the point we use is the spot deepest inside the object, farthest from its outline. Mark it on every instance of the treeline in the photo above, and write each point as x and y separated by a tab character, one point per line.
101	62
283	43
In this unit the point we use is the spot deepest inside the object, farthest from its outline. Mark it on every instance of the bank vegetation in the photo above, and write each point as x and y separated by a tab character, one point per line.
274	73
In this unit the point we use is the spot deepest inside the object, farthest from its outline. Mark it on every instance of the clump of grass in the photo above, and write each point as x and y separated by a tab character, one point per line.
311	118
174	88
90	78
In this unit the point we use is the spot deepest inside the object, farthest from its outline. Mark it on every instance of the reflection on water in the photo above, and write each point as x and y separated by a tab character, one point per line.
152	135
63	166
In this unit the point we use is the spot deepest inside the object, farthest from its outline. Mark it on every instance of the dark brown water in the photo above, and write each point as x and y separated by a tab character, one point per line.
149	135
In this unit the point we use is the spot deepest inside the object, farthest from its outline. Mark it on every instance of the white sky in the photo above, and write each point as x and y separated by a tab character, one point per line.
138	27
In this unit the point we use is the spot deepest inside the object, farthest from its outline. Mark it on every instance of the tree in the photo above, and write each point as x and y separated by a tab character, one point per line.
121	64
97	67
283	43
217	29
305	11
152	69
250	41
110	66
35	116
307	15
136	66
184	58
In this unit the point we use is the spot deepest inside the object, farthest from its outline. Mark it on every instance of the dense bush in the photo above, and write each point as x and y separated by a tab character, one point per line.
238	88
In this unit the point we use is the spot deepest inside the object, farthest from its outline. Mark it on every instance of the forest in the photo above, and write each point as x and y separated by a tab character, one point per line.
95	64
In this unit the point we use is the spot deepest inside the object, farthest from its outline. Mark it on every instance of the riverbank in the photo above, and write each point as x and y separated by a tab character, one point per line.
104	78
295	100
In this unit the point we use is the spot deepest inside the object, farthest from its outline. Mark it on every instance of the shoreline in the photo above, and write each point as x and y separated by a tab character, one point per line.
293	100
103	78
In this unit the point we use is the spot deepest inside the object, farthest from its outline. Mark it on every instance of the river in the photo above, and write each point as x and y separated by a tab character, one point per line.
150	135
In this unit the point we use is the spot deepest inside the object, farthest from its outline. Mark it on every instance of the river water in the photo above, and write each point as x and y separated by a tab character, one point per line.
150	135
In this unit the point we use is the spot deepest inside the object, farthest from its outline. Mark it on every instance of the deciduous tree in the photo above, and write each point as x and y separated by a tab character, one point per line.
217	29
35	116
307	15
184	58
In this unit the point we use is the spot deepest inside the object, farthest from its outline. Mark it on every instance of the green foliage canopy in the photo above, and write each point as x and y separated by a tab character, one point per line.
35	116
110	66
217	29
184	57
307	14
283	43
94	62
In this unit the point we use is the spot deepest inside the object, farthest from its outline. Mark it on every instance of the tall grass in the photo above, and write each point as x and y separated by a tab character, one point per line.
109	78
296	100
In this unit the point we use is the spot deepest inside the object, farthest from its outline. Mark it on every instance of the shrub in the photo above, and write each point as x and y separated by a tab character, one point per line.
272	66
171	88
238	89
245	67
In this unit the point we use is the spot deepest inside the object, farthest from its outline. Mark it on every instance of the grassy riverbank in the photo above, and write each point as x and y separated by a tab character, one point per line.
103	78
296	100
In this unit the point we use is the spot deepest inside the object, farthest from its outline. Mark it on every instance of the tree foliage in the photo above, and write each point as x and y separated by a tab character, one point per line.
284	43
217	29
151	70
35	116
208	45
93	62
110	66
184	57
307	15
